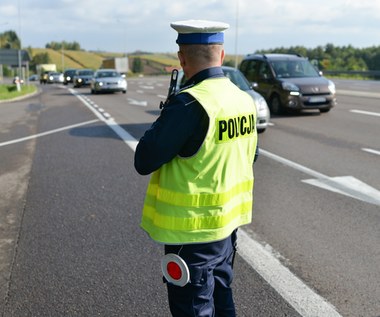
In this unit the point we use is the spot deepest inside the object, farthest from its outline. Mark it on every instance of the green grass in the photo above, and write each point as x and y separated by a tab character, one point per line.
164	59
71	59
85	59
8	92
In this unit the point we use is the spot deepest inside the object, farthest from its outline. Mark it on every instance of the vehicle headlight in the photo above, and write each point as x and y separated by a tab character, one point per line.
79	80
68	78
332	87
99	83
261	104
51	78
290	86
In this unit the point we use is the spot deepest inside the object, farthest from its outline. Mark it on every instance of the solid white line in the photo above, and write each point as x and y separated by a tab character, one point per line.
369	113
293	165
294	291
371	151
47	132
358	93
302	298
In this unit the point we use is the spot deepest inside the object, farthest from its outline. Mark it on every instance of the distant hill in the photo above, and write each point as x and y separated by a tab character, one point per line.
152	63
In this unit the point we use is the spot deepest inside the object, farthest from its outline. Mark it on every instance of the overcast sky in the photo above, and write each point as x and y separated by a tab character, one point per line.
130	25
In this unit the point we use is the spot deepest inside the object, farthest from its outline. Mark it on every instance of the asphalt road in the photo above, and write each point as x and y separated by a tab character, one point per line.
70	242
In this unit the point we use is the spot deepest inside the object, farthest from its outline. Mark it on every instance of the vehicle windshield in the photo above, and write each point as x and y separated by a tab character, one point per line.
294	69
107	74
86	72
237	78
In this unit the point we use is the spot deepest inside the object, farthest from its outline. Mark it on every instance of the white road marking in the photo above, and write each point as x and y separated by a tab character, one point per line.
47	133
369	113
358	93
137	103
371	151
91	105
348	185
301	297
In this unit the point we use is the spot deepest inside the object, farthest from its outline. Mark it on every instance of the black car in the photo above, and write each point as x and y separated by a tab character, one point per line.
68	75
83	77
288	82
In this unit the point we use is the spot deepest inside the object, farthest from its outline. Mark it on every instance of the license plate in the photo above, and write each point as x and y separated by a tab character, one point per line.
317	99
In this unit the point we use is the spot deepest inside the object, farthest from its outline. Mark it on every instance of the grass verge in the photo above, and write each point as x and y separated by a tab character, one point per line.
8	92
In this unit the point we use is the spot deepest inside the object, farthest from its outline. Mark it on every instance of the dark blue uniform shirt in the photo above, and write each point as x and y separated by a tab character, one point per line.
179	130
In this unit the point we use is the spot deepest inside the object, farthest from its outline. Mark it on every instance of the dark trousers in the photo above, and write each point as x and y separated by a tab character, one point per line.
209	293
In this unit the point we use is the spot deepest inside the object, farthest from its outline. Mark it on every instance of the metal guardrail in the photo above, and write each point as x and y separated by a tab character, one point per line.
374	74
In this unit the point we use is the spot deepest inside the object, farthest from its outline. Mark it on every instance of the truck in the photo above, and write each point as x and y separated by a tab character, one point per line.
120	64
43	71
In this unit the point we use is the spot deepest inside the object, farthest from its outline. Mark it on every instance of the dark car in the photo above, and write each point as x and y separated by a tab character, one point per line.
239	80
288	82
68	75
83	77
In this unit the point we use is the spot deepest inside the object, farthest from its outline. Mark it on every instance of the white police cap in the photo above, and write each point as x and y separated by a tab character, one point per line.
199	31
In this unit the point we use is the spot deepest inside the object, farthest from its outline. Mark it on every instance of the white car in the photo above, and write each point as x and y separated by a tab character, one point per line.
108	80
55	78
263	113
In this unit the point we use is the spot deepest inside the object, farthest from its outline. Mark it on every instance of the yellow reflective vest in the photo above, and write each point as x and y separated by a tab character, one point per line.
205	197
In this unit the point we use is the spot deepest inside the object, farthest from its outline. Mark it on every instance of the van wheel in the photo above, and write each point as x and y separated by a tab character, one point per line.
275	105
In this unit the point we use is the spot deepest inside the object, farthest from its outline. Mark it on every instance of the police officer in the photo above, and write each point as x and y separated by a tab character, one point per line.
200	152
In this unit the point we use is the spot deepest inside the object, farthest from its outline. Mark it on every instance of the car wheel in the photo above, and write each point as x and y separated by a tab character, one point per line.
324	110
124	91
275	105
260	130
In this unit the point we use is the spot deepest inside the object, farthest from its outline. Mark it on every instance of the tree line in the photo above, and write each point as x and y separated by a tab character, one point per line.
338	58
70	46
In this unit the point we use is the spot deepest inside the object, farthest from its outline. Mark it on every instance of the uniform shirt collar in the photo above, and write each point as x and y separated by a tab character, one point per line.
212	72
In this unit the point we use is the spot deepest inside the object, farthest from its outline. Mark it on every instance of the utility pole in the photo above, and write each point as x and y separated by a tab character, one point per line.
63	58
19	49
236	33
